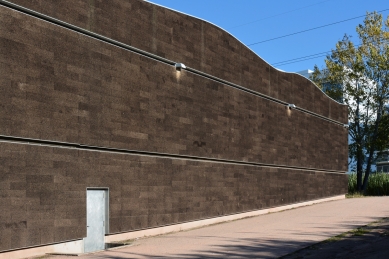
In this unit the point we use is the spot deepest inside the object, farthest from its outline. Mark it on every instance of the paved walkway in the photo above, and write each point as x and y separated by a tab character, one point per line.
265	236
370	241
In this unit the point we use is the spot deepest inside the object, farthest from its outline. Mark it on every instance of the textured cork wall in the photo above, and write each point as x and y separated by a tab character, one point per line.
194	42
59	85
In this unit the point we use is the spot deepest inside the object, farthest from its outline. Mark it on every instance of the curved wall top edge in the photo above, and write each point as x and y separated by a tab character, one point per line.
217	26
199	44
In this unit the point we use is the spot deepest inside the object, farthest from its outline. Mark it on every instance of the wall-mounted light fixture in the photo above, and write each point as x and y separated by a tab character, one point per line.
179	66
291	106
345	126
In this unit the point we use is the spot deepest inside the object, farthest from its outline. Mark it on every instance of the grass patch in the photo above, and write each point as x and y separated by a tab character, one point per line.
359	231
378	185
354	232
355	195
336	238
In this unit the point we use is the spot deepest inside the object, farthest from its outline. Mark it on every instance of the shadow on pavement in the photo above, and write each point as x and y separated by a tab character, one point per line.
242	248
227	247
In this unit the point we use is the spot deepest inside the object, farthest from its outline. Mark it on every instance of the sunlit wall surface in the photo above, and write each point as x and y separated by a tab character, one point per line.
103	105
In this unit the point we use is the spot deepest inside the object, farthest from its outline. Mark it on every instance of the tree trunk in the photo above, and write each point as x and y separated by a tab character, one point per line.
372	149
367	171
359	168
359	149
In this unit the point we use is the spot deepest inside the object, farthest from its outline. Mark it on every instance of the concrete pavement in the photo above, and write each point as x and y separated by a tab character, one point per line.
266	236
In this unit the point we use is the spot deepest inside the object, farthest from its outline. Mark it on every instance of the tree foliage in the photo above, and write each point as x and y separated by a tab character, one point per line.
358	76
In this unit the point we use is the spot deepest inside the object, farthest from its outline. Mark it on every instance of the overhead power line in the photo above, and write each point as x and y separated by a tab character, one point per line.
309	57
300	60
278	14
313	56
311	29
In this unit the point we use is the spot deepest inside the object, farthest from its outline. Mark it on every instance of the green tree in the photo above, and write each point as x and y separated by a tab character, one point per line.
358	75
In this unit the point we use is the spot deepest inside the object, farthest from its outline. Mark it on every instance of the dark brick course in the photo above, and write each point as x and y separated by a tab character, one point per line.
58	85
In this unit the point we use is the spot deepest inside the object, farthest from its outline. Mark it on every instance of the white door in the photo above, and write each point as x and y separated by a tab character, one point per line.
95	220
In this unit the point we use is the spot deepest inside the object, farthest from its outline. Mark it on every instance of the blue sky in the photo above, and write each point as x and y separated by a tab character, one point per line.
269	19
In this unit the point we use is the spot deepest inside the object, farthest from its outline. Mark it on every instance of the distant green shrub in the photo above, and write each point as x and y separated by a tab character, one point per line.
378	184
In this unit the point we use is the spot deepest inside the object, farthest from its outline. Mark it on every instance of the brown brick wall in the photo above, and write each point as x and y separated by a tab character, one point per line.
185	39
43	191
59	85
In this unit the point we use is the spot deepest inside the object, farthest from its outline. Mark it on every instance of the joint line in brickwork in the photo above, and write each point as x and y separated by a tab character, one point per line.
77	146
